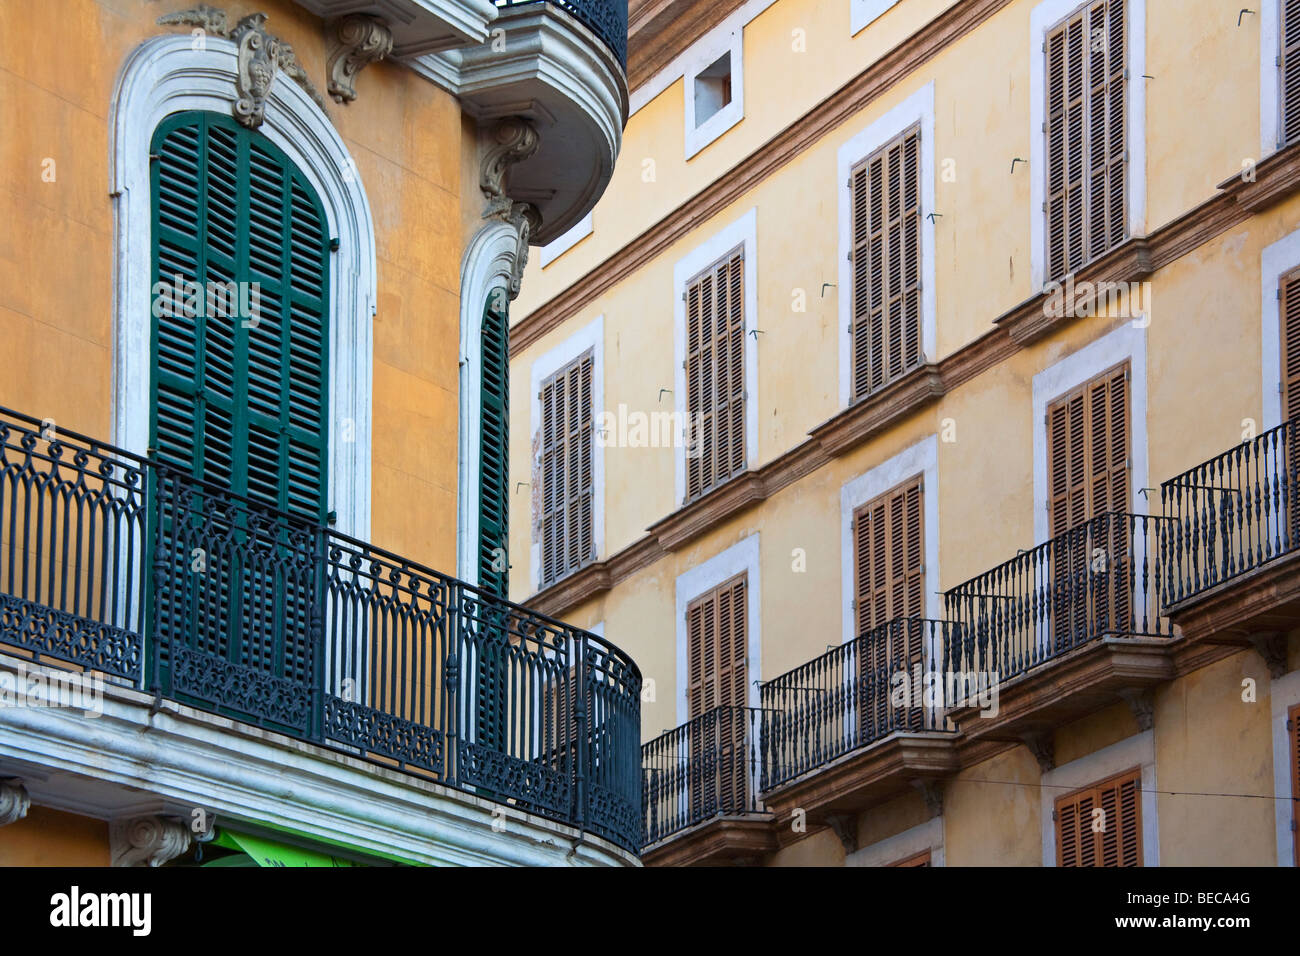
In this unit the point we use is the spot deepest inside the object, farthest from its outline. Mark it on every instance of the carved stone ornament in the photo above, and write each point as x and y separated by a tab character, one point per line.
513	140
1143	705
1043	747
359	41
147	841
261	55
14	801
932	793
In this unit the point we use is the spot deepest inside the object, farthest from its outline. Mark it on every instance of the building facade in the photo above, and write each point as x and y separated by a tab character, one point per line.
253	435
917	406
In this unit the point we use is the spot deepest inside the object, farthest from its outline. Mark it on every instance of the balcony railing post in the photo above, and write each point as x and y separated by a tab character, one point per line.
585	742
452	681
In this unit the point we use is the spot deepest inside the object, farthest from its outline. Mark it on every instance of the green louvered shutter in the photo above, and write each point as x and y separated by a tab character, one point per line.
238	386
493	566
493	563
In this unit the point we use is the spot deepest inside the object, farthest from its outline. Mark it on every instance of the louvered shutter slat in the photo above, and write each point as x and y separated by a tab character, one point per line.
886	251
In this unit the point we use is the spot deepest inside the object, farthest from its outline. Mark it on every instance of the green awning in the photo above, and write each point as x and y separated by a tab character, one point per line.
265	852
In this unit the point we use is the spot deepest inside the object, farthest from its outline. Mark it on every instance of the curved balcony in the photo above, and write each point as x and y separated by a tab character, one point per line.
561	65
116	564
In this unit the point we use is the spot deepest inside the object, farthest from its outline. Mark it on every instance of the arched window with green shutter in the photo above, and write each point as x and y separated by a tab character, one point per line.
240	399
239	390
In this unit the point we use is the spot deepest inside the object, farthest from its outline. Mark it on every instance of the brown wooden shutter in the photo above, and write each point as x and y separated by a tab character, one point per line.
1289	68
716	638
889	548
1293	734
1289	305
1088	451
1119	842
715	374
1086	130
919	859
568	487
886	257
717	668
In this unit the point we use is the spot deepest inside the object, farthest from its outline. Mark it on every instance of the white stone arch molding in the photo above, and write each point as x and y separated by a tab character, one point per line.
163	76
488	264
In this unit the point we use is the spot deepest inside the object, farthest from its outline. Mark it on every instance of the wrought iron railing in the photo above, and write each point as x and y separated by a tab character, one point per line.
709	766
853	696
607	19
1097	580
119	564
1232	514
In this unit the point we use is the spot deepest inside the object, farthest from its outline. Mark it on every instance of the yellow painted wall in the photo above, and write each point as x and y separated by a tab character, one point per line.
1205	383
48	837
58	65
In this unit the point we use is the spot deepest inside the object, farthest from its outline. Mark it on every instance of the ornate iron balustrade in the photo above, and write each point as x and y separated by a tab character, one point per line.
853	696
119	564
73	530
1094	581
607	19
1232	514
710	766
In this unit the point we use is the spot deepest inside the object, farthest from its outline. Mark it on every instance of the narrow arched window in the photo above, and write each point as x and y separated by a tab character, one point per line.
239	364
494	411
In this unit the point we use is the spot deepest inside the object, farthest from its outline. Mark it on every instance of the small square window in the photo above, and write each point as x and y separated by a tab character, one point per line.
712	89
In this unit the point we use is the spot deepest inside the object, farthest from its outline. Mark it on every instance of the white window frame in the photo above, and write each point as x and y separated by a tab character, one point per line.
565	241
1044	18
920	459
1270	77
590	337
1136	751
1284	694
163	76
703	55
1126	343
655	86
1275	261
742	232
900	846
740	558
862	13
917	109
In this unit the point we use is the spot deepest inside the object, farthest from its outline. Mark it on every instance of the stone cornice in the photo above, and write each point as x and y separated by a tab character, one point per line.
1276	178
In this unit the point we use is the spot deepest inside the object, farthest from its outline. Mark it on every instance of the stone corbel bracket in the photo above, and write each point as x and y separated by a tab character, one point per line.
513	140
359	40
260	56
14	801
147	841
